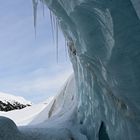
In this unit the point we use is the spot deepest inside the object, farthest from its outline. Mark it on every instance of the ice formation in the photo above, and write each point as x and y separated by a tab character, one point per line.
103	38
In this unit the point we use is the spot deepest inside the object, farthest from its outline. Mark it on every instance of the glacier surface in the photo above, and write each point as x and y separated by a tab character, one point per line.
103	38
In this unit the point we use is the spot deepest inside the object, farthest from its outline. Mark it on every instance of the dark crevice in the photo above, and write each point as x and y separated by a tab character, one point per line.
81	122
71	138
102	132
51	109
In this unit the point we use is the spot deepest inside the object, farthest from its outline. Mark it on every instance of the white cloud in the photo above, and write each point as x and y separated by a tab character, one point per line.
47	83
39	83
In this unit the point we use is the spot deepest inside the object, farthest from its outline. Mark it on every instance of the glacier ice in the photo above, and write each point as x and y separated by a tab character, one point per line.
103	38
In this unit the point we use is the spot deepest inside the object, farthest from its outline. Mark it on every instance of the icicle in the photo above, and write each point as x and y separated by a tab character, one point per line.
43	9
52	26
54	22
35	4
66	55
57	40
42	1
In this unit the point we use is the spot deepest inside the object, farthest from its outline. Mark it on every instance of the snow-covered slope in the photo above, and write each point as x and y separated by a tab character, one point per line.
62	104
10	102
26	115
48	120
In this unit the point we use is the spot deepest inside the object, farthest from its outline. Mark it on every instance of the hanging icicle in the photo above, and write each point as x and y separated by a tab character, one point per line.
52	25
35	4
66	55
43	8
57	33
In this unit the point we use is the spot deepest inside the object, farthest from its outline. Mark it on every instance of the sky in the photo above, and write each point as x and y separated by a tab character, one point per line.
28	64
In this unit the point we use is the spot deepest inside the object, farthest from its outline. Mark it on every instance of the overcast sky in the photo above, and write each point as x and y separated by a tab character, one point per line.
28	66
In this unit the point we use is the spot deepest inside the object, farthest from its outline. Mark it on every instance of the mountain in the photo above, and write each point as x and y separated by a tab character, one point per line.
29	114
10	102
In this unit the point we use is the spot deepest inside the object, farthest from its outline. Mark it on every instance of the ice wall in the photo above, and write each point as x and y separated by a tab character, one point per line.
104	45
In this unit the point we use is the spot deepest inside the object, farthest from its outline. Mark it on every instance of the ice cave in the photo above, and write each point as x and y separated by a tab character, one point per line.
101	100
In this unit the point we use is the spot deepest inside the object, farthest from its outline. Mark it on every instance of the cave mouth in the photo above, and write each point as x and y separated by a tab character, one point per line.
31	61
34	65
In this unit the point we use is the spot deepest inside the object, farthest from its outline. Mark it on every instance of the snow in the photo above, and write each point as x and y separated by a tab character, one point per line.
101	101
26	115
5	97
47	120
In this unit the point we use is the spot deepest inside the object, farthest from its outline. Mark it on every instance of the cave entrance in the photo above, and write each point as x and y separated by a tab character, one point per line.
28	60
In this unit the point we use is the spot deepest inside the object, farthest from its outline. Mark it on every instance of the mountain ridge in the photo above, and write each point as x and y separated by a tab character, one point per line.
10	102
